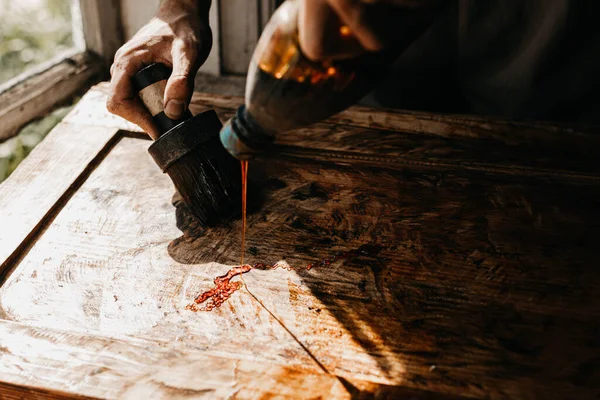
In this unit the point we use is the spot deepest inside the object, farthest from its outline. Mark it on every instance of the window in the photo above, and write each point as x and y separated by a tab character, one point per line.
33	32
50	50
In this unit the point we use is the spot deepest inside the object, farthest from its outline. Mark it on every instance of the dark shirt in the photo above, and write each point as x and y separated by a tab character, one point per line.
519	59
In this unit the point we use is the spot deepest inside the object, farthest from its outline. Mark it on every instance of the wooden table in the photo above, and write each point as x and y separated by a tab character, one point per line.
476	275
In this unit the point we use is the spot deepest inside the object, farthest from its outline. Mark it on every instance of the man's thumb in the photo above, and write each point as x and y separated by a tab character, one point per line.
180	86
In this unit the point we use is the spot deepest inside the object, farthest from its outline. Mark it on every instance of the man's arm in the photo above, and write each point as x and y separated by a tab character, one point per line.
179	36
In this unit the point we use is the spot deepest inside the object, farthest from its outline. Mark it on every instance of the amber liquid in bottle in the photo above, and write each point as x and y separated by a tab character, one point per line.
286	90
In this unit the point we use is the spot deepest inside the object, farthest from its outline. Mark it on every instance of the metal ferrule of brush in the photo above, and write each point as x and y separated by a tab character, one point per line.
243	138
185	138
178	137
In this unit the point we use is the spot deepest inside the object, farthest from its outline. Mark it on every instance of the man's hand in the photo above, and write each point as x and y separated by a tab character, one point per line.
178	36
347	28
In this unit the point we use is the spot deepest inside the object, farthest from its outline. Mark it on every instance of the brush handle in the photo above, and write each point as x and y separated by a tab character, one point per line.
150	83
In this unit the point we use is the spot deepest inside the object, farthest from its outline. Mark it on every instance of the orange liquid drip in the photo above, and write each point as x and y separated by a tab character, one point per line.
224	288
244	191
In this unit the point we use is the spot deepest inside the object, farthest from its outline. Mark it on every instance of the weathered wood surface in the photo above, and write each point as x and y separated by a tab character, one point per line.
32	193
422	139
473	279
469	283
105	367
449	140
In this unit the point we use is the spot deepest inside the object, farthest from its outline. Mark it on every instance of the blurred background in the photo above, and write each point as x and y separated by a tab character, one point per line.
32	32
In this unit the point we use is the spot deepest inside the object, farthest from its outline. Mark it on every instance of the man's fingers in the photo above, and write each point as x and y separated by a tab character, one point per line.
133	111
379	23
180	85
322	34
353	14
123	100
315	28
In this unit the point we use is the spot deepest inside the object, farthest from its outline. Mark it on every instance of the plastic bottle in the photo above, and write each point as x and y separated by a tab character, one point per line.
285	90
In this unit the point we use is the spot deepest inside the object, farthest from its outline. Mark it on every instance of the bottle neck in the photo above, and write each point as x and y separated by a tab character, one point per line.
243	137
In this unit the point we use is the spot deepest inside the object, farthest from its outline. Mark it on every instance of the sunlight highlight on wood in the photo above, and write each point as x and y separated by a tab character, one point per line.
473	269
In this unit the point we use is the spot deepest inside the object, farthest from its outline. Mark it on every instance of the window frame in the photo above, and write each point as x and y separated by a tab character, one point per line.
97	35
241	23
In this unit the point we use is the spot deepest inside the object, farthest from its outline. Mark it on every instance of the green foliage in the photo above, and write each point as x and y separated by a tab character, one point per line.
31	32
14	150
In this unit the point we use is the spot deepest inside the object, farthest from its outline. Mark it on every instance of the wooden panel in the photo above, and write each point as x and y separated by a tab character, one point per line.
545	135
446	125
447	295
110	368
568	142
91	111
466	283
109	265
468	278
360	144
14	392
85	272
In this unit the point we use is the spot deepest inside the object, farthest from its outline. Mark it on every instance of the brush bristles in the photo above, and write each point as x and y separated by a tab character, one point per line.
209	181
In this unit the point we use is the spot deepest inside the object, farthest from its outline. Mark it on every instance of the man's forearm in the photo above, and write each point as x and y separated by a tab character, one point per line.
174	10
197	7
200	7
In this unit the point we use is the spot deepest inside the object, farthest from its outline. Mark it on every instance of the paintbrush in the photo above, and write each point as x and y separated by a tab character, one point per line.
189	150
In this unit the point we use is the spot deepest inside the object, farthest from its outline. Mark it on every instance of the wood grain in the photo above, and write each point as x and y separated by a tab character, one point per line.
15	392
447	125
111	368
462	140
84	272
29	195
415	312
477	284
422	139
91	111
471	278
